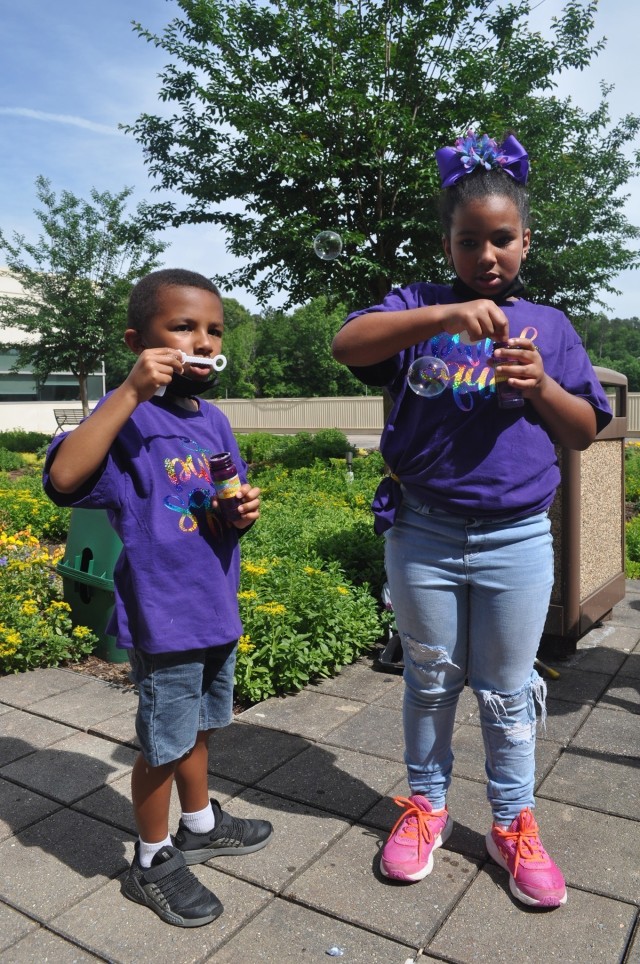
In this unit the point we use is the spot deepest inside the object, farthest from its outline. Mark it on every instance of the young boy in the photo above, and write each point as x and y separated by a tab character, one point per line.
145	459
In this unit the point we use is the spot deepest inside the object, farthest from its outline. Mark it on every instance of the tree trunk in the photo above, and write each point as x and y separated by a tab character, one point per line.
84	393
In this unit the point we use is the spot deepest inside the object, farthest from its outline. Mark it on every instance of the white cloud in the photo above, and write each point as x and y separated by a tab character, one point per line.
42	115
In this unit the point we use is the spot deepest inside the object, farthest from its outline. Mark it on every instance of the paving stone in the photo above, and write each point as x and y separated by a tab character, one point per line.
301	934
43	946
564	719
339	781
375	729
633	955
623	694
86	706
13	927
121	728
72	768
26	689
247	753
58	861
19	808
609	865
610	731
5	708
597	780
346	883
625	613
578	686
631	666
594	657
609	635
359	681
308	714
301	834
15	726
124	932
112	804
490	925
393	696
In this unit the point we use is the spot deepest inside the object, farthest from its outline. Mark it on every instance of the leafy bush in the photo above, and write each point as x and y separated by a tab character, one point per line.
293	451
300	623
35	623
632	472
23	505
10	460
18	440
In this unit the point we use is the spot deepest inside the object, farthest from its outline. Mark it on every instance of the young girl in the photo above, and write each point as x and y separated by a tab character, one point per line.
464	511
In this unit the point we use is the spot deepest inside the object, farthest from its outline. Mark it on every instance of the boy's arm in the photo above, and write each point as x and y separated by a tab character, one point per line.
85	449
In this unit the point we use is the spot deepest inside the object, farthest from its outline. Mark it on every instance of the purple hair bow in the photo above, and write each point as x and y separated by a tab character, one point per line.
472	151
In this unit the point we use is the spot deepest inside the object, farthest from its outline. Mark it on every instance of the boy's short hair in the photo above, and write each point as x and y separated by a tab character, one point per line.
143	299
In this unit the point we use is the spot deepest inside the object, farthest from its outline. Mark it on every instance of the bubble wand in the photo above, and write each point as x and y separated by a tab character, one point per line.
218	363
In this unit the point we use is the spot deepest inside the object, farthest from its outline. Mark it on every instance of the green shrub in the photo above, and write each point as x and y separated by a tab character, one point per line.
23	505
293	451
35	623
632	472
18	440
10	460
301	622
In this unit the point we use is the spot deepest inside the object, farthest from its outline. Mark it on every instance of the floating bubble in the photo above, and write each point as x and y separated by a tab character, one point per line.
428	376
328	245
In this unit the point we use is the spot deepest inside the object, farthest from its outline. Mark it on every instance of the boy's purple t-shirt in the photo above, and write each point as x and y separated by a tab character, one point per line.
459	451
177	578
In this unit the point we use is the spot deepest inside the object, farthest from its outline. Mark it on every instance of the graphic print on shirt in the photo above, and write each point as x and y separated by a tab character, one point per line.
192	499
470	372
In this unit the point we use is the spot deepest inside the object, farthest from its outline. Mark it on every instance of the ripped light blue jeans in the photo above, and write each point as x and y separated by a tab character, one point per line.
470	598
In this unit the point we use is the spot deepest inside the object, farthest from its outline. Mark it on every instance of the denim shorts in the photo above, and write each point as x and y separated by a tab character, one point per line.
181	695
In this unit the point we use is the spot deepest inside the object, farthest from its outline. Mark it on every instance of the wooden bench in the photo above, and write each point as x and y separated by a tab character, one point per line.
67	416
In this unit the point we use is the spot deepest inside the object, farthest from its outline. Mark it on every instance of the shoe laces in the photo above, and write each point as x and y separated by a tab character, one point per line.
414	823
179	883
526	836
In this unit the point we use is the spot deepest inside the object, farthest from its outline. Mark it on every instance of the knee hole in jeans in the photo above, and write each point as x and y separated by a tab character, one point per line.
425	656
518	732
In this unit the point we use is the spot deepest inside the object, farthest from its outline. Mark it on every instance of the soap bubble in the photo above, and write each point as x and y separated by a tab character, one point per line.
428	376
328	245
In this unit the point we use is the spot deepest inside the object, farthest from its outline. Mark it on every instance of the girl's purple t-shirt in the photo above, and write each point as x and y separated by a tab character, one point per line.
177	578
459	451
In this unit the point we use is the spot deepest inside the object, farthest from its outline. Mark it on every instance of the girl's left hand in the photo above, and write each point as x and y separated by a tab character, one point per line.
521	362
249	508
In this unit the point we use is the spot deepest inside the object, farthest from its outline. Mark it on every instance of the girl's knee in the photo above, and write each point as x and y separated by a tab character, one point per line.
515	713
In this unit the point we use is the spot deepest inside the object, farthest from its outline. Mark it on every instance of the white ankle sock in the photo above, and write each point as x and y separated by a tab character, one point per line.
147	851
202	821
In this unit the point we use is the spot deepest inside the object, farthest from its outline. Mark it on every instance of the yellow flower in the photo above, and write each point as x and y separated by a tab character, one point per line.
56	606
244	644
342	590
29	608
248	594
81	632
310	571
272	609
253	570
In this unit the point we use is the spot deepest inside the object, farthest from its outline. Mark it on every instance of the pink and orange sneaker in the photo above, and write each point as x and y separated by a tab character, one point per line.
408	853
533	876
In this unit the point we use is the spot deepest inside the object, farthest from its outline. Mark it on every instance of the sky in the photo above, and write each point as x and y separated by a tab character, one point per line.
73	70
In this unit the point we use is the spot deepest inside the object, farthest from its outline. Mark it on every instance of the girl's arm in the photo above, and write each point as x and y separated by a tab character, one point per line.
85	449
375	336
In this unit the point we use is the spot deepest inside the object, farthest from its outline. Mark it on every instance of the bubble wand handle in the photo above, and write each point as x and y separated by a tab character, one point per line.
218	363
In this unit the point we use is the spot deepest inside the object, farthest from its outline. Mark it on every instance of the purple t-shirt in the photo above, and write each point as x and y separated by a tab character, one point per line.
176	580
459	451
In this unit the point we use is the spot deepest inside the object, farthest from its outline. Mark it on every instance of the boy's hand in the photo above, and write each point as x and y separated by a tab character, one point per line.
153	369
249	507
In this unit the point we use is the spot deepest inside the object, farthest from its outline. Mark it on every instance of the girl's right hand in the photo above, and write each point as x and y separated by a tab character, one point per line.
153	369
480	319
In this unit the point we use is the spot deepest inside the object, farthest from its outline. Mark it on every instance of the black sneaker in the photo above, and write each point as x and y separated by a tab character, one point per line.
170	889
230	836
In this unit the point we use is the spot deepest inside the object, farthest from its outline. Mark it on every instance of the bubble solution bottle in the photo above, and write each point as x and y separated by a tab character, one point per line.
226	481
507	395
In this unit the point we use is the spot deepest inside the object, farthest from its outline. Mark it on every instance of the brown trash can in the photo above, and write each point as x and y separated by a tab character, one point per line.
587	523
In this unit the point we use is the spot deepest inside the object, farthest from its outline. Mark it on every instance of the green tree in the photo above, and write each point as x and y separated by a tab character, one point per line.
239	346
76	278
287	117
295	353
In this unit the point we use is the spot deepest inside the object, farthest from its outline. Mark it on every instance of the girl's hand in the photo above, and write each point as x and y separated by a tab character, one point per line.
479	319
521	362
154	368
249	507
